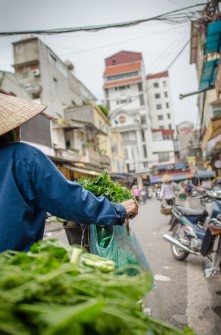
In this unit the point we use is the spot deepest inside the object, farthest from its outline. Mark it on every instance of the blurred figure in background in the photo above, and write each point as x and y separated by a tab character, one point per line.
168	189
136	193
144	194
188	188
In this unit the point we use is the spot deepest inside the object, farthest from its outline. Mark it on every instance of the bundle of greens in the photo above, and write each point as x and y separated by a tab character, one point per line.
51	291
103	185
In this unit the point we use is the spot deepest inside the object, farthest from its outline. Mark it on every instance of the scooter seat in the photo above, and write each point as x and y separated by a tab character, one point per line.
191	211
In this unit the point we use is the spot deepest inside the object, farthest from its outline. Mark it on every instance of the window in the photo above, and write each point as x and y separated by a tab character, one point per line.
132	153
165	94
36	95
19	48
163	156
68	144
157	96
164	83
121	88
144	151
170	126
155	85
168	116
141	100
143	119
159	106
160	117
216	112
140	87
143	135
125	153
129	136
123	101
125	136
167	105
161	127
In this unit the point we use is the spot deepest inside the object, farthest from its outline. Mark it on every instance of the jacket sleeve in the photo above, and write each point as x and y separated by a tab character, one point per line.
51	191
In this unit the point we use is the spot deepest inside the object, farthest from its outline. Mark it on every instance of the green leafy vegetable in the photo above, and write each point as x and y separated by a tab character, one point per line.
103	185
43	293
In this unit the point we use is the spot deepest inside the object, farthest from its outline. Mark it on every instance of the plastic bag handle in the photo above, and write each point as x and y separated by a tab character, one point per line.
127	225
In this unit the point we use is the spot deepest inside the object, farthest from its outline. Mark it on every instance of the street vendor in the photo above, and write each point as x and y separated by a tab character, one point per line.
31	186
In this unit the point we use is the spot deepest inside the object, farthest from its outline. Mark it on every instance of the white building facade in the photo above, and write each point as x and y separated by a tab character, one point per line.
162	120
125	87
160	101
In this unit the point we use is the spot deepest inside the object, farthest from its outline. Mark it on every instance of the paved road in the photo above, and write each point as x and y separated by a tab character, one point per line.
183	295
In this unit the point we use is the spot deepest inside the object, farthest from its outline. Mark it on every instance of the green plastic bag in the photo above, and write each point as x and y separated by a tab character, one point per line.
114	243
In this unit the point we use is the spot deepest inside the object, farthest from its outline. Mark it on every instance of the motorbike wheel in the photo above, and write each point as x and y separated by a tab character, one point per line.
178	253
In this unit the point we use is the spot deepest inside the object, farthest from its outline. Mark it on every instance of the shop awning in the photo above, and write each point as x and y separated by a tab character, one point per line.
84	171
213	145
206	174
183	176
175	177
213	130
209	73
213	39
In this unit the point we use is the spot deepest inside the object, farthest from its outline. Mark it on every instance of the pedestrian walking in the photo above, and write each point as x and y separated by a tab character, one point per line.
136	193
168	189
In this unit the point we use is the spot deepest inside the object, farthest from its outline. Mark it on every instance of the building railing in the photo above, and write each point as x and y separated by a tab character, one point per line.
94	158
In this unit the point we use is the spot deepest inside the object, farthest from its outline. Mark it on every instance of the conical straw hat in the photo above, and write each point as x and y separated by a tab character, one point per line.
166	178
15	111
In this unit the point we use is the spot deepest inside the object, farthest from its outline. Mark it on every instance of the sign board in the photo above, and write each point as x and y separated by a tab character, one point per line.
218	82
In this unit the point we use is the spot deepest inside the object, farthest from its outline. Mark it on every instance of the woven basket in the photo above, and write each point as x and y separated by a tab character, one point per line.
166	211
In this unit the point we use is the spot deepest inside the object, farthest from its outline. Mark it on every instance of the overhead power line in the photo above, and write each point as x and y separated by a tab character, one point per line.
166	17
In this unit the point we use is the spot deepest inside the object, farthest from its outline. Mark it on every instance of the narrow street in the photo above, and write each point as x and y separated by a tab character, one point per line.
183	295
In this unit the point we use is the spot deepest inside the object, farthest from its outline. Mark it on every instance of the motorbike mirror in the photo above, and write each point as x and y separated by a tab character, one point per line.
195	181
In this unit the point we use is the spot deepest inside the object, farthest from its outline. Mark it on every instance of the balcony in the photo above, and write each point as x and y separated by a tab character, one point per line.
91	157
67	155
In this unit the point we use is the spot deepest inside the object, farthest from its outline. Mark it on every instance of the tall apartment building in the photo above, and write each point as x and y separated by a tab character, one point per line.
160	101
125	95
160	104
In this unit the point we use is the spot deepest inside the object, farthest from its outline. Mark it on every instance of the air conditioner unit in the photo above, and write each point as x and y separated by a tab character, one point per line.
36	73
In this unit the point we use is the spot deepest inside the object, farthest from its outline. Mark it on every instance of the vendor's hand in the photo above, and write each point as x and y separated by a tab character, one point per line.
131	207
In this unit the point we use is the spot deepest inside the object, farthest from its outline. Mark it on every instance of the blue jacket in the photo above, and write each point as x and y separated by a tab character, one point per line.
30	186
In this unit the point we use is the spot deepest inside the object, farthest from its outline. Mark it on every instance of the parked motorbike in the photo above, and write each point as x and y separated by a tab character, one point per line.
189	227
